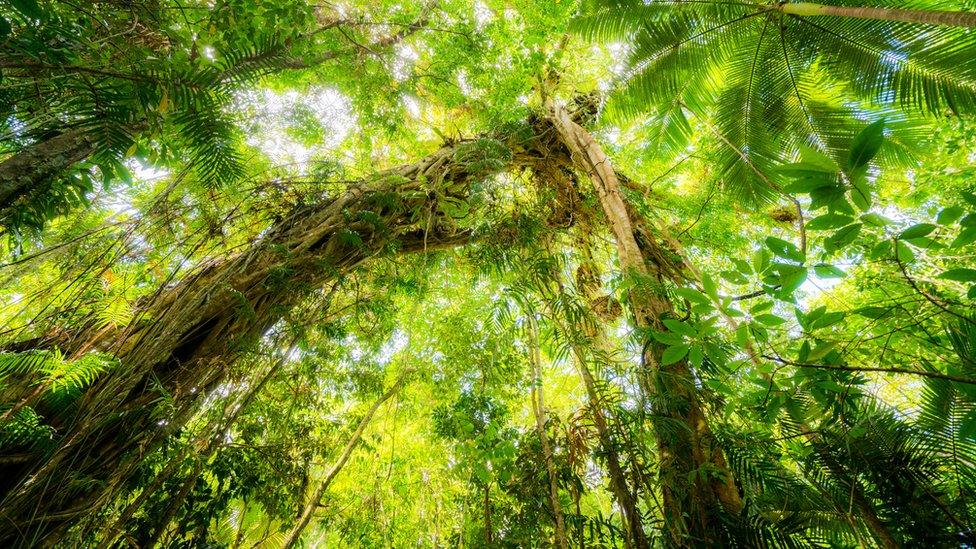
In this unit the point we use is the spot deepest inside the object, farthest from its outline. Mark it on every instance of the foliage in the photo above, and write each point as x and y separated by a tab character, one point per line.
230	226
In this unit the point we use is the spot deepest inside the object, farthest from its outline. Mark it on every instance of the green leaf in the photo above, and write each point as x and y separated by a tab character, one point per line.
880	250
827	319
674	354
784	249
667	338
679	327
742	266
711	289
916	231
810	184
817	159
828	221
791	280
822	350
861	194
866	145
760	260
828	271
481	471
949	215
959	275
842	238
967	426
28	8
696	356
807	169
904	253
692	295
873	312
966	236
770	319
875	219
742	335
968	221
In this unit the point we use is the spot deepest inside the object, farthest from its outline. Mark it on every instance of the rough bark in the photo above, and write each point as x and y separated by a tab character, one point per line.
198	328
313	502
36	165
687	449
928	17
539	411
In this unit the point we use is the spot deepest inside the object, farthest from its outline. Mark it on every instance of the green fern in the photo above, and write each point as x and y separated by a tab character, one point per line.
772	82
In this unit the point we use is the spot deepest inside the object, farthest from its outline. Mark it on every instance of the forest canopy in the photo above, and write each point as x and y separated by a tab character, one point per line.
501	273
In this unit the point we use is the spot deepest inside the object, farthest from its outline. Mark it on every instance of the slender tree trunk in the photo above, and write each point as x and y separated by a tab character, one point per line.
313	502
928	17
488	536
241	526
174	506
686	446
634	535
539	411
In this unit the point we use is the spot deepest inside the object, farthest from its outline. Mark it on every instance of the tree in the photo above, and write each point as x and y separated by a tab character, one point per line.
737	237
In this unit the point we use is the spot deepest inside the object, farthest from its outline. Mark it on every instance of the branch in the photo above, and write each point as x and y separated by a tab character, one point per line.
908	371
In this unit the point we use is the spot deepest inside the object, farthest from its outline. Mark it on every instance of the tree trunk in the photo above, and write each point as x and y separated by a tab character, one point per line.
539	411
928	17
306	515
199	327
38	163
488	536
694	476
35	166
626	498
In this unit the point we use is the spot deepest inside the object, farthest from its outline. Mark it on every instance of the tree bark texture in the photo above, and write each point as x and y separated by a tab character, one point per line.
927	17
194	331
694	476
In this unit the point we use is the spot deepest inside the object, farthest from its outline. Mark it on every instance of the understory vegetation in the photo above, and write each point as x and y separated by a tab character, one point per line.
490	273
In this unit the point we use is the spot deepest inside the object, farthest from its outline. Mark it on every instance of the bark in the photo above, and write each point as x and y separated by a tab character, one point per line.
198	328
539	411
687	449
306	515
625	497
928	17
35	166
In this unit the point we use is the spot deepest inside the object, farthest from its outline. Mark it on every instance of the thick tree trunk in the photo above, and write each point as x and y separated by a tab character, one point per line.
539	411
928	17
313	502
201	326
694	476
